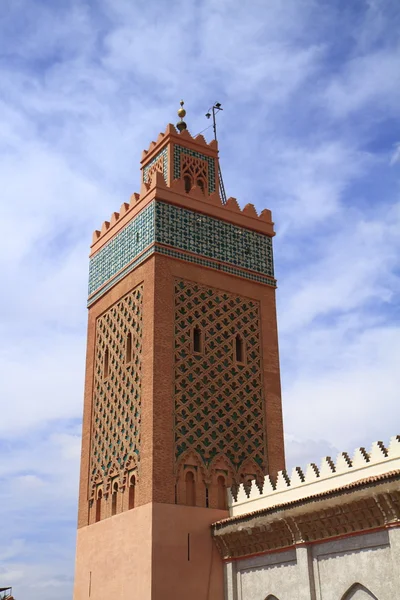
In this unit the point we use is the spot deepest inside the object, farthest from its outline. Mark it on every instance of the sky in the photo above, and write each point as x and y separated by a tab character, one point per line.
310	129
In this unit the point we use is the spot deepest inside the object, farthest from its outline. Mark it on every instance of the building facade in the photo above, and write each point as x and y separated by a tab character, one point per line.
182	390
326	534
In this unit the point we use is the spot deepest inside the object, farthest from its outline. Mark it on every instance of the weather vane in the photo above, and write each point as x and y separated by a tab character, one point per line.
216	107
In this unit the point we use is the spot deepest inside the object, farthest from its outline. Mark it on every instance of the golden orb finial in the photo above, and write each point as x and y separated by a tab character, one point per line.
181	125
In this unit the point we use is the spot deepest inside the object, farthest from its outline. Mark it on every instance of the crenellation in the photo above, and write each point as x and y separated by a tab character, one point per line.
250	210
104	228
394	446
378	451
312	472
343	463
297	477
331	476
282	481
360	457
114	218
232	204
327	467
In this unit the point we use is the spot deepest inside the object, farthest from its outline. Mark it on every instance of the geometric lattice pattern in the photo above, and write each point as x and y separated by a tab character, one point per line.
115	436
181	150
219	406
187	231
159	163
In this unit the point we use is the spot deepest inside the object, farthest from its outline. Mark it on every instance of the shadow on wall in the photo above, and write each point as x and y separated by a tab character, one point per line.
358	592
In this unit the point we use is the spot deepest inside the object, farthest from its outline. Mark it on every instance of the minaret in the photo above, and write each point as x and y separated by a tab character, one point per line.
182	389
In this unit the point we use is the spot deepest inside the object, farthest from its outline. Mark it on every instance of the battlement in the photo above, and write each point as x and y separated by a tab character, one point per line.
195	199
329	476
198	142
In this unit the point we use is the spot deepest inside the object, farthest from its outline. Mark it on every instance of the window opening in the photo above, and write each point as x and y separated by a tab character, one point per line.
221	492
188	183
106	364
98	505
190	489
200	184
197	345
131	499
239	349
129	348
207	500
114	499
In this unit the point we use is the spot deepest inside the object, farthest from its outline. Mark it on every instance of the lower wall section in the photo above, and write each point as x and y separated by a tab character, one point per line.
153	552
187	565
362	567
113	557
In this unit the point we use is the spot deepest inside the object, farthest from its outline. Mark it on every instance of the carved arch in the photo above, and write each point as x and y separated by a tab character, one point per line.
358	592
191	462
271	597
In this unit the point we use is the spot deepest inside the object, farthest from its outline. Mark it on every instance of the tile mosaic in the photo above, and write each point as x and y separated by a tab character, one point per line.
173	230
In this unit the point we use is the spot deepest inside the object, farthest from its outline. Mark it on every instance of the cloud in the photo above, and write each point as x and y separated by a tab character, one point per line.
396	154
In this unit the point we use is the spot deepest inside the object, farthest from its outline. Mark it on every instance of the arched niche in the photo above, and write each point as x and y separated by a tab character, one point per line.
358	592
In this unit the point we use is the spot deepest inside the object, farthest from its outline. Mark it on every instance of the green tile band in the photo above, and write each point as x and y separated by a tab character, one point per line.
174	231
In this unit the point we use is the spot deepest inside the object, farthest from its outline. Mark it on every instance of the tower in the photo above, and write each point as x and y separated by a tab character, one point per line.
182	389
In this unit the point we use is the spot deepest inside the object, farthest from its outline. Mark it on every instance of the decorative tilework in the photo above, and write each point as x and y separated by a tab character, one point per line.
121	249
115	439
178	150
188	230
219	407
214	265
159	162
171	230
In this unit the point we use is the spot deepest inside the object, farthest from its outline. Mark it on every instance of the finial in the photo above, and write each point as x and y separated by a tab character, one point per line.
181	125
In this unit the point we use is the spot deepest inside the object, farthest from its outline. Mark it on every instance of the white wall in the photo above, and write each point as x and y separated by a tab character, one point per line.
324	571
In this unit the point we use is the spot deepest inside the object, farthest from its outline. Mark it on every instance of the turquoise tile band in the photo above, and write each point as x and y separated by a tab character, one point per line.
174	231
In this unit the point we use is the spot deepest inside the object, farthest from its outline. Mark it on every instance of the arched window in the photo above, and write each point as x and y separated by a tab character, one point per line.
197	341
221	484
188	183
190	489
114	497
239	349
131	499
106	367
358	592
128	356
200	184
98	505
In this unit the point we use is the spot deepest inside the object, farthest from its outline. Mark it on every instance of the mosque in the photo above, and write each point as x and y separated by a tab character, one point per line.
183	489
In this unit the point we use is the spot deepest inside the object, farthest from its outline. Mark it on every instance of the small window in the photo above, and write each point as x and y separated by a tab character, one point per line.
200	184
239	349
188	183
190	489
221	492
131	499
197	341
128	356
207	498
98	505
114	497
106	364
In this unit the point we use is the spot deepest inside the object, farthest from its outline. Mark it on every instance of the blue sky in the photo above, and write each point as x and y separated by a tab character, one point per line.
310	129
